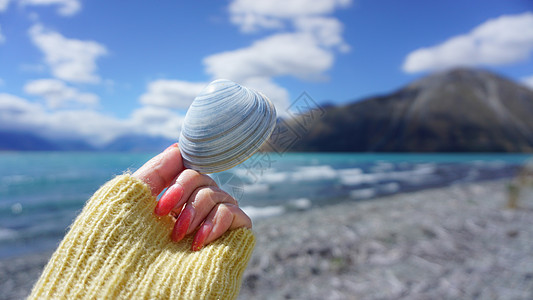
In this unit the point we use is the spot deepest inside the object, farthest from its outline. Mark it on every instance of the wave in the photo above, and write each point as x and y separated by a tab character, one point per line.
258	212
256	188
255	212
300	204
7	234
314	173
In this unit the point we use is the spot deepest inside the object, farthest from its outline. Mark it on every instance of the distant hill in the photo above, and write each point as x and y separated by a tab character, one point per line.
461	110
138	143
25	141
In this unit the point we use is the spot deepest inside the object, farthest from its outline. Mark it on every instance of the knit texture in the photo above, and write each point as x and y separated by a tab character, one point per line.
118	249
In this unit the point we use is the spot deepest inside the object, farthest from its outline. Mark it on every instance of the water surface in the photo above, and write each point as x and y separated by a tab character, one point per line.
42	192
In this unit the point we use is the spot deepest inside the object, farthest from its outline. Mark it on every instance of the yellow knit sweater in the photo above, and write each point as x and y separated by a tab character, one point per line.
118	249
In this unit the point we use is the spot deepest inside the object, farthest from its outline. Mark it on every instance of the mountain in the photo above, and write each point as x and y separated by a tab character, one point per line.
461	110
138	143
24	141
27	141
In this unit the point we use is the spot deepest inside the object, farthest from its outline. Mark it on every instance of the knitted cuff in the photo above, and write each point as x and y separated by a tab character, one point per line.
118	248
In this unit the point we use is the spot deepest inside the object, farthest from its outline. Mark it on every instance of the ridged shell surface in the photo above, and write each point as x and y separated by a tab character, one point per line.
224	126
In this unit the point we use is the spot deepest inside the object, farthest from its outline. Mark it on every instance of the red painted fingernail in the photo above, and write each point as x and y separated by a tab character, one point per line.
171	146
201	236
169	200
182	223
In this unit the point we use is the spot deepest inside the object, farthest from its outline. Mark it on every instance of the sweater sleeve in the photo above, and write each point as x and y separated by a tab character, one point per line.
118	249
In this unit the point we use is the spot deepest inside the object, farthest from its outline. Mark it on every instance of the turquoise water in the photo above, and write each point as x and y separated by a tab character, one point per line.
41	193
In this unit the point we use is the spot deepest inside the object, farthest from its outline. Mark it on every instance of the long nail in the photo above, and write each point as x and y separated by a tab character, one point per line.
169	200
182	223
201	236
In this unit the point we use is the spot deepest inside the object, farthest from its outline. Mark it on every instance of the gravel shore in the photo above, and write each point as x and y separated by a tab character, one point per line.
457	242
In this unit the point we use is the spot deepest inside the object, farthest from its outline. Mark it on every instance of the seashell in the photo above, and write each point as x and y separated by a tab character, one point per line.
224	126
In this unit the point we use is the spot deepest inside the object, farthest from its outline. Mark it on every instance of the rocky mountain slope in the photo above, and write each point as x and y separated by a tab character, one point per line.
461	110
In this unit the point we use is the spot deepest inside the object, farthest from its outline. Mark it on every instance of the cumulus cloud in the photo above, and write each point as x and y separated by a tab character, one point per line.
3	5
171	93
278	55
95	127
57	94
295	54
326	30
252	15
504	40
11	105
286	54
65	8
69	59
275	93
157	121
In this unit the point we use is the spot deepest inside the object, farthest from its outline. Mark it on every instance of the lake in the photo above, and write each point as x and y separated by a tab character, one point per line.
42	192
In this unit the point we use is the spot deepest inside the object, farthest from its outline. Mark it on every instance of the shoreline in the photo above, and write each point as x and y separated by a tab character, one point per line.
443	243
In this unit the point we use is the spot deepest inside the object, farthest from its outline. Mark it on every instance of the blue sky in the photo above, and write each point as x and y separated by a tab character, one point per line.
98	69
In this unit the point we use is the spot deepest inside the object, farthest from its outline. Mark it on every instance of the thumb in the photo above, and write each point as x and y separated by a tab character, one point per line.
161	170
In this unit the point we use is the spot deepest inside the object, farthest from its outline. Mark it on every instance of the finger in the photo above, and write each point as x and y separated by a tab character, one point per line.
159	171
222	218
198	206
203	201
178	193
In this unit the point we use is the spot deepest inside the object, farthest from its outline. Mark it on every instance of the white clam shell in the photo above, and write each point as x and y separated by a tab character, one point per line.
224	126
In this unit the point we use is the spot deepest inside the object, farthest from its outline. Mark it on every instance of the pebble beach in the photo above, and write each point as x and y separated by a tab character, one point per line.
456	242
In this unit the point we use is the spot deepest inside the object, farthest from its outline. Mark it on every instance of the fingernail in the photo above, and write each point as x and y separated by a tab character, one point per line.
169	199
182	223
171	146
201	236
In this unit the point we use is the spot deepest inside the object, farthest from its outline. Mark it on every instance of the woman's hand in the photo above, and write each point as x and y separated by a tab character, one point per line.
194	199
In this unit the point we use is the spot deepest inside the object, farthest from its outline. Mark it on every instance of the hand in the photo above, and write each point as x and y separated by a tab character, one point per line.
192	198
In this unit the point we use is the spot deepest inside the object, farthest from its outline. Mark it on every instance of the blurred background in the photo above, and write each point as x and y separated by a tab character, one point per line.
399	167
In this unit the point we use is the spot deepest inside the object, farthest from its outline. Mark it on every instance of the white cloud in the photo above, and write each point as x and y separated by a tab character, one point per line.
95	127
528	81
504	40
157	121
171	93
65	8
70	59
295	54
327	31
13	105
18	113
275	93
285	54
3	5
252	15
57	94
